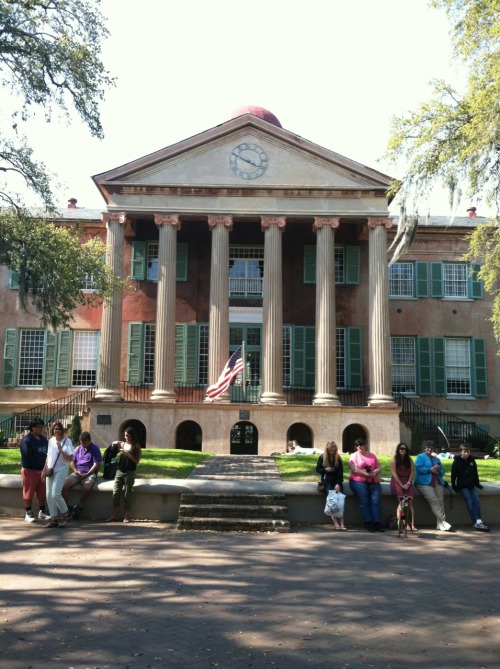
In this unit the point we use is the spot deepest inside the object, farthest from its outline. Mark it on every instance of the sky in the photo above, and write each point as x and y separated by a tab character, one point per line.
333	72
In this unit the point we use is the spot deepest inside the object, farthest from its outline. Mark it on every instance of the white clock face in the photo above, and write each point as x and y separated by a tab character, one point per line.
248	161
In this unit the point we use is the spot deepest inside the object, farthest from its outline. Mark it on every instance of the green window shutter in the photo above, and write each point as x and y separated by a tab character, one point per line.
182	262
479	380
179	353
436	279
310	356
352	263
191	347
186	353
421	279
298	344
9	358
135	361
64	341
49	361
475	284
139	255
354	361
309	263
439	366
14	280
424	386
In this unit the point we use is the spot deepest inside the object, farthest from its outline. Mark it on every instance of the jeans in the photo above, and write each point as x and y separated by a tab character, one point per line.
368	495
472	500
123	481
54	485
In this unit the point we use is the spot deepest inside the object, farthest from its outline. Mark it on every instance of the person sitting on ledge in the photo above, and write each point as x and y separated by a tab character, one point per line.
85	464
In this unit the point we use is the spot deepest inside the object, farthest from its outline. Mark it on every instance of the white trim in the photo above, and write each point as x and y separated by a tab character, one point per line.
245	314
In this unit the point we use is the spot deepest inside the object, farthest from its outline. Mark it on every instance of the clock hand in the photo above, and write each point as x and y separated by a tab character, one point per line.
246	160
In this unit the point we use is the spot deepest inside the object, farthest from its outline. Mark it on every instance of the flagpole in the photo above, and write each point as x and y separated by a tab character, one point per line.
244	372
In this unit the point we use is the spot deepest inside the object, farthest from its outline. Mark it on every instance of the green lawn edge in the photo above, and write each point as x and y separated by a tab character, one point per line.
178	464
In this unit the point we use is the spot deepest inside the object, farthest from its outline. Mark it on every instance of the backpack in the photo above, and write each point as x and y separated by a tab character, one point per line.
110	463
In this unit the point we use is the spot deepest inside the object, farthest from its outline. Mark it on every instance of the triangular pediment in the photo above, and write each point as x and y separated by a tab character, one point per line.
244	152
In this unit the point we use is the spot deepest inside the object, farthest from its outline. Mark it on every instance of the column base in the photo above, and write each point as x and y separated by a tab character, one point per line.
272	398
326	399
381	401
163	396
108	395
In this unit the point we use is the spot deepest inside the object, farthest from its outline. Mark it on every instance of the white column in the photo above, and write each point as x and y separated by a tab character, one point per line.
378	310
218	338
272	322
111	325
326	328
164	390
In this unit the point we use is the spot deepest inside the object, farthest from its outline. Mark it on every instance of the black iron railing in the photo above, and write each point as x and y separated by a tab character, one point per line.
195	393
442	427
61	409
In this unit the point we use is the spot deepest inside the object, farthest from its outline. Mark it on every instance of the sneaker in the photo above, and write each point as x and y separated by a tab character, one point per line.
481	526
444	526
29	517
43	516
76	513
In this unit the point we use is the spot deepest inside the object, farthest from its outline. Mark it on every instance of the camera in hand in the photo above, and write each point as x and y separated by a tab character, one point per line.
368	469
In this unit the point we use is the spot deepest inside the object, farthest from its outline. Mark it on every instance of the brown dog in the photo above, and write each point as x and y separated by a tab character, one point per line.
403	516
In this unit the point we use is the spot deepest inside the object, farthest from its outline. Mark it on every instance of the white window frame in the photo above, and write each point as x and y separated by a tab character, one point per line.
402	279
458	367
85	358
455	280
404	365
31	358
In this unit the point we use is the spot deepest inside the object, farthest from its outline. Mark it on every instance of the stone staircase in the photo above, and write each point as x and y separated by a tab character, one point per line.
233	513
244	511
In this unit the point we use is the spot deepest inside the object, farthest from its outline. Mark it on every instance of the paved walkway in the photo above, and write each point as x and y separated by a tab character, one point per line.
237	467
144	596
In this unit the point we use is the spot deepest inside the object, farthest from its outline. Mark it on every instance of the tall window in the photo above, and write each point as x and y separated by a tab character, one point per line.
455	280
84	358
339	261
149	352
31	354
341	376
152	262
401	281
203	355
403	364
458	376
246	269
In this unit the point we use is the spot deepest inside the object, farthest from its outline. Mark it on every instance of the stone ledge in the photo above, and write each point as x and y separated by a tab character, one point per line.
159	499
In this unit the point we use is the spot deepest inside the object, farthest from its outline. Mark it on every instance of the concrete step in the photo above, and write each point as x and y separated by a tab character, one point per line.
236	513
233	524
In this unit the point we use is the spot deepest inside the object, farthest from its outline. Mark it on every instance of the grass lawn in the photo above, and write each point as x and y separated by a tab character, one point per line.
303	467
178	464
156	463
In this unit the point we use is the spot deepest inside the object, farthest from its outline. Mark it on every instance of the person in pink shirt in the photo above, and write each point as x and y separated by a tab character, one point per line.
365	484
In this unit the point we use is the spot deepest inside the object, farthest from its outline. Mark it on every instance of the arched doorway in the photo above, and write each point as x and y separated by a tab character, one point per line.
244	439
301	433
139	429
351	433
188	436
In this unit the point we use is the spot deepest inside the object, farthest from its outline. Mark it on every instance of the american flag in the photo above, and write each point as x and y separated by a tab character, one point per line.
232	368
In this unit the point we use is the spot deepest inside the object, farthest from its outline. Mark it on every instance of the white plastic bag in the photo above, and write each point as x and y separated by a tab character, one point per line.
335	503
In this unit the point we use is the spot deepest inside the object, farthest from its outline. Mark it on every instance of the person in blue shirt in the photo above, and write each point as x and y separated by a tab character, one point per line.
33	455
429	480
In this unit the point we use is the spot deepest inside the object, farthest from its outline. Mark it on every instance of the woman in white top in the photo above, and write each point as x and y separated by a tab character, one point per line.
59	455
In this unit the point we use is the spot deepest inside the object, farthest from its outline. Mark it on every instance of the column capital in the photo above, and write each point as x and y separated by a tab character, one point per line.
267	222
226	221
375	222
114	217
168	219
326	222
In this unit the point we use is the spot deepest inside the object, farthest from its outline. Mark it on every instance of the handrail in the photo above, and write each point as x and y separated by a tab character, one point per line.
49	412
436	423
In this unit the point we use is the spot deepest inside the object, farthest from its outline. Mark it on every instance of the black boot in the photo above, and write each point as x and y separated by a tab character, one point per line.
369	526
379	527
